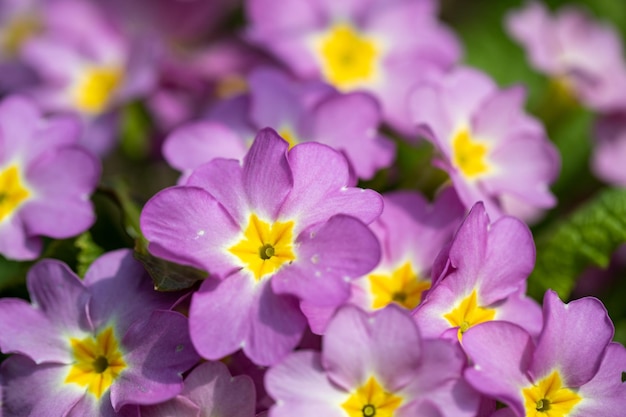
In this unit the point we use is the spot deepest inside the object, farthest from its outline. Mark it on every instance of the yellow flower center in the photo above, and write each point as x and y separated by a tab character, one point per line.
468	155
468	313
348	58
549	398
12	191
371	400
403	287
17	32
289	136
96	87
265	247
98	362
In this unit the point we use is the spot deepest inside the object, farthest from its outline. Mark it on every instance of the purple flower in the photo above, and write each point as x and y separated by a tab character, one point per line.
372	365
573	370
493	151
299	112
582	56
45	177
411	233
88	67
610	149
209	391
374	45
93	346
284	224
484	279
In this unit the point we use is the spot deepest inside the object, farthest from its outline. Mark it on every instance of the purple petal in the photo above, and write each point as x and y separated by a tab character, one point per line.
267	178
194	144
385	343
301	388
34	390
188	226
59	307
158	351
223	180
469	246
274	100
276	327
341	250
121	289
63	183
573	339
605	394
220	315
320	190
211	387
15	243
501	353
178	407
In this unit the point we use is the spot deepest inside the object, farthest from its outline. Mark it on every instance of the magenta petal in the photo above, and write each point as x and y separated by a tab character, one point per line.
605	394
30	390
211	387
301	388
267	177
573	339
276	326
158	351
342	249
187	225
219	316
501	353
385	343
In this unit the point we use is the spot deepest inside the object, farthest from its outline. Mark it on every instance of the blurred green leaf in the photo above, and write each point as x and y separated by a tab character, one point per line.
12	273
136	131
88	251
588	237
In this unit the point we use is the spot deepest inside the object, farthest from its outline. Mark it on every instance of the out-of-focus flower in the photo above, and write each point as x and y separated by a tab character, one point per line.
284	224
483	280
372	365
610	149
45	178
91	347
584	57
299	112
88	67
411	233
380	46
209	391
493	151
573	370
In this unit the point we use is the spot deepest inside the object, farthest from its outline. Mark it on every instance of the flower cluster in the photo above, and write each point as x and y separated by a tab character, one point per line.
333	216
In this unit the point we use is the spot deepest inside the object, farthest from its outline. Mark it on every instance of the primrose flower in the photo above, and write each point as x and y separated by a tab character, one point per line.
299	112
359	373
87	67
45	178
610	149
483	280
493	151
282	227
584	57
377	46
91	347
574	370
411	233
209	391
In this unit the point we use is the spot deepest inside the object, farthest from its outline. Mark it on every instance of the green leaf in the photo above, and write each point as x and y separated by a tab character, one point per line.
88	251
587	237
135	131
168	276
